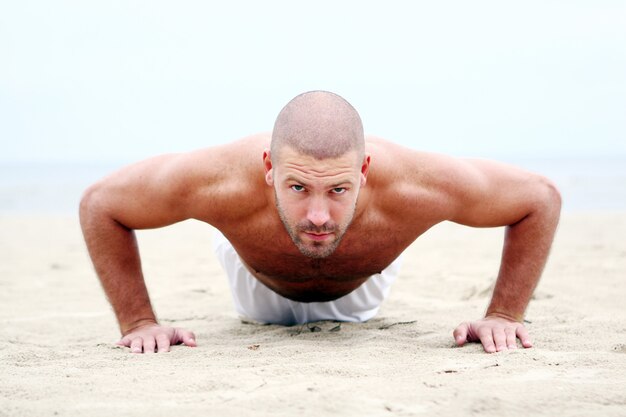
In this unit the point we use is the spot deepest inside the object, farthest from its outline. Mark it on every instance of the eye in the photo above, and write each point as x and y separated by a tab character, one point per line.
297	188
338	190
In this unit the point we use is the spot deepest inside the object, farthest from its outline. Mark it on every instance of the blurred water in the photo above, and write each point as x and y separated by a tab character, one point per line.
585	183
47	187
55	187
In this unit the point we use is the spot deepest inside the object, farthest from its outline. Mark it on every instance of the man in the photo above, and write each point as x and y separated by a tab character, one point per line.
313	220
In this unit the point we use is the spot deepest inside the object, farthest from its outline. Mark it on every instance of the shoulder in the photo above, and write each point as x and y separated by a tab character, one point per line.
436	187
399	162
215	185
224	182
407	181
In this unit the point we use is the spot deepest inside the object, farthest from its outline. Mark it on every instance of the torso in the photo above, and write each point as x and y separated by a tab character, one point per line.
274	260
373	241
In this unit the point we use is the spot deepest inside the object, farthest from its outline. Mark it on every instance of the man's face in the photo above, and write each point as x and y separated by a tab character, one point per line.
316	200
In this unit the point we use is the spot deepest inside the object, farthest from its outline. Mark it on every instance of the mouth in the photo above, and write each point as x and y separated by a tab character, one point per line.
318	237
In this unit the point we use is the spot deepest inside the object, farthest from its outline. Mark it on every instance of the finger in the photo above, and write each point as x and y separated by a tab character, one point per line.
125	341
522	334
499	338
136	345
511	343
460	334
149	344
187	337
163	343
486	338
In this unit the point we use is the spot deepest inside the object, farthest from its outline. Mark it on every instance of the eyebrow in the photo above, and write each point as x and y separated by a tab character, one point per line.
304	183
294	178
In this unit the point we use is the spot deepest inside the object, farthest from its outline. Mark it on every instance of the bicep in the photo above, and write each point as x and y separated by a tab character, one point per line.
427	188
488	193
153	193
135	196
213	185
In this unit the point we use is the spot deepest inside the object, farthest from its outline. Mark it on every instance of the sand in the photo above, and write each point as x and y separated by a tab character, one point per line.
57	333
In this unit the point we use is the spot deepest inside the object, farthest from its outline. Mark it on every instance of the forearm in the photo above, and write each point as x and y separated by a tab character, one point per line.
115	256
526	248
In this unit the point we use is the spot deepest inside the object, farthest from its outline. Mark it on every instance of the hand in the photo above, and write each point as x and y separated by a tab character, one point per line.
495	333
154	337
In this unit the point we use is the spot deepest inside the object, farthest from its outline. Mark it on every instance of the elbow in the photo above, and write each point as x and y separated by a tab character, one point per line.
90	203
549	197
553	195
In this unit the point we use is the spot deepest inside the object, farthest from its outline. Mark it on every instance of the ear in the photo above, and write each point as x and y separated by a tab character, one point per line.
365	169
267	165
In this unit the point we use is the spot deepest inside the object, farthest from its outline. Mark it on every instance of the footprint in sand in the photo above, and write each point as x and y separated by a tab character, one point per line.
620	348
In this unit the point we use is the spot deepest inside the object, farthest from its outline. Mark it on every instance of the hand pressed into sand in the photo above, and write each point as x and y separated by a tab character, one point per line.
495	333
153	337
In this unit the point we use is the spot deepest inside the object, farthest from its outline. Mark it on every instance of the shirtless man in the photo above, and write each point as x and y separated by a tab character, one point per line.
312	221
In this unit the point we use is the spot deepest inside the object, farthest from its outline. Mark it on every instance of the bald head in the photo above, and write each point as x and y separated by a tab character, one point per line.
320	124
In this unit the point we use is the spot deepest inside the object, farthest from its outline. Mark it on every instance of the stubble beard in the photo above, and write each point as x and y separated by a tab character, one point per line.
316	250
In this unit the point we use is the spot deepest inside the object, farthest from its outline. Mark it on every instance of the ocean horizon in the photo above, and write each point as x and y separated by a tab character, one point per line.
54	187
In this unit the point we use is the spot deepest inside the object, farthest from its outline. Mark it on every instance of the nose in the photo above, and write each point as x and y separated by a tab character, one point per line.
318	212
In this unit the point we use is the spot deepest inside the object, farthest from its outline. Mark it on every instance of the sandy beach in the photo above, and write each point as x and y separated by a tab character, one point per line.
57	333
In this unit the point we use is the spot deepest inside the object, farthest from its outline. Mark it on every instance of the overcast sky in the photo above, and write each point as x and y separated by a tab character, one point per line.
111	80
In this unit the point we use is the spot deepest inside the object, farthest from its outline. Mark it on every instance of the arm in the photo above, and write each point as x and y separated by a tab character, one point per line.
109	211
529	206
481	193
153	193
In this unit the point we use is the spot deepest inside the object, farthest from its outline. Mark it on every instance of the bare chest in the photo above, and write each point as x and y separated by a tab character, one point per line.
275	260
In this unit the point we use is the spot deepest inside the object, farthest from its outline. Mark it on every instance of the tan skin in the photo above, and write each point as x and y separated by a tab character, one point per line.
391	197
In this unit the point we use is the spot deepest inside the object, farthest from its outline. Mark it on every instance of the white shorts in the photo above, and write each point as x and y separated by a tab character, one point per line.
254	300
